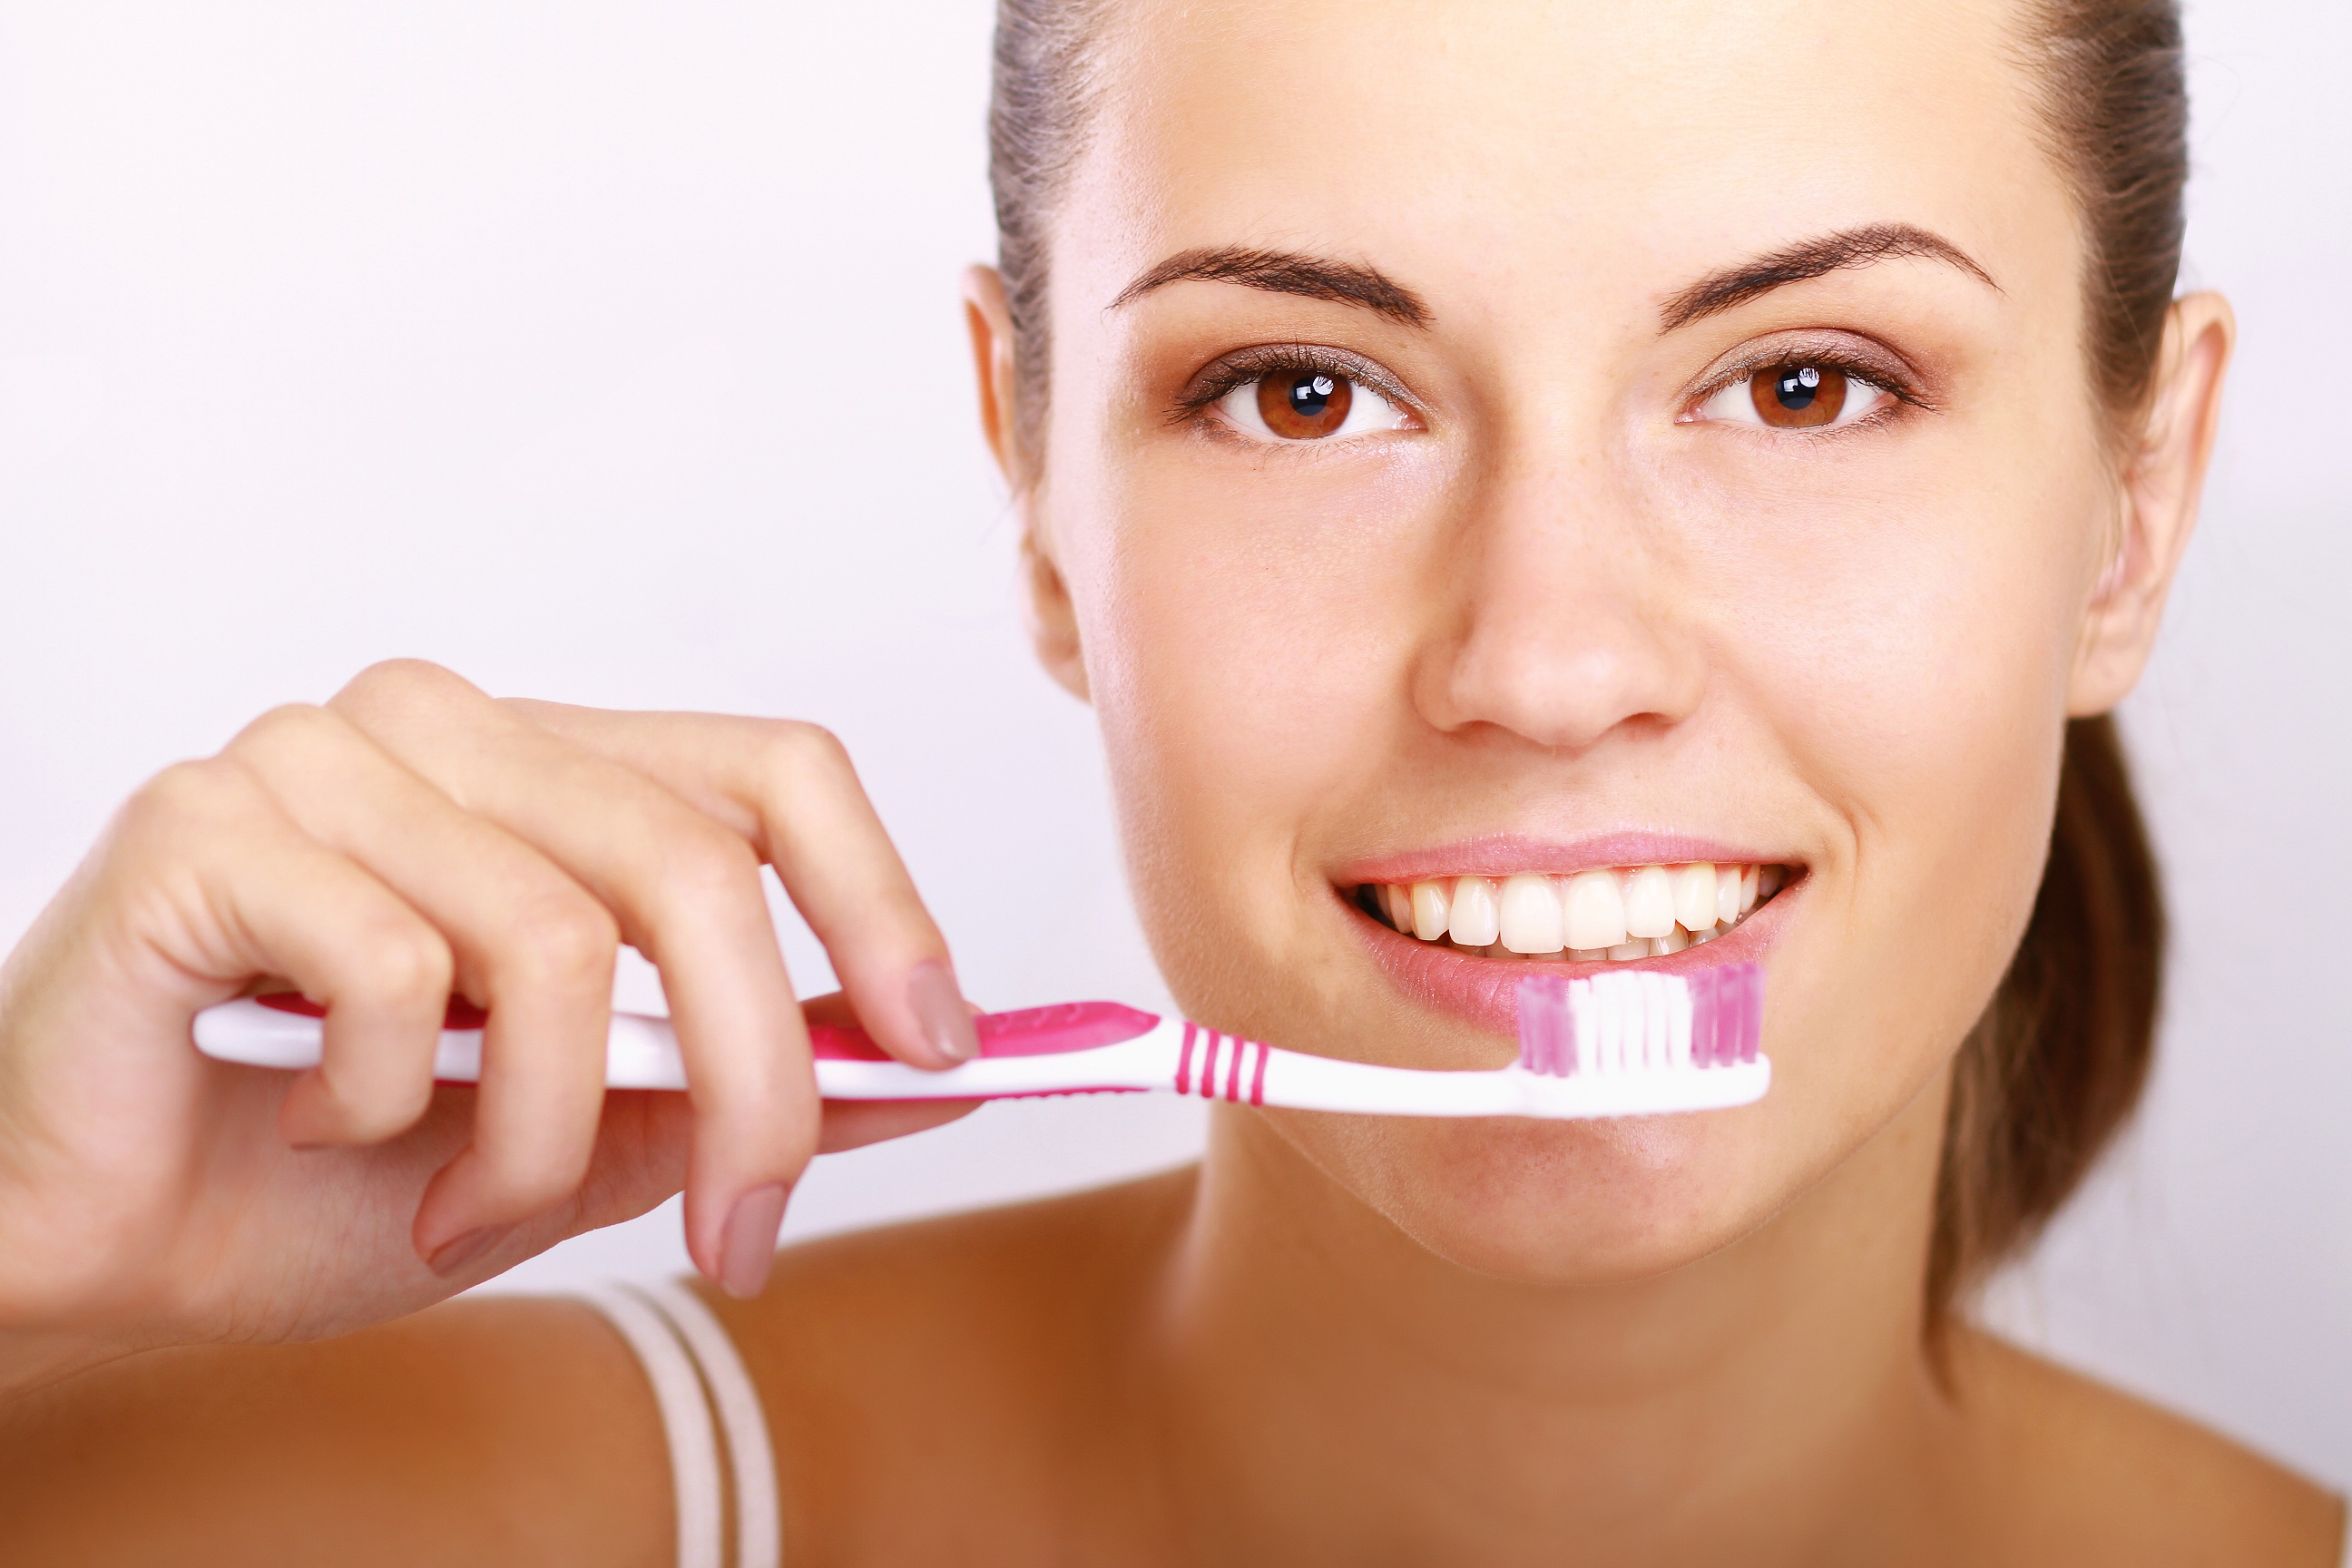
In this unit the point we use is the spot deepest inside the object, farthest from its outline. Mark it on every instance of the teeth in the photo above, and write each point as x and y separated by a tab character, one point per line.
1694	896
1431	904
1530	915
1611	914
1474	921
1649	903
1594	911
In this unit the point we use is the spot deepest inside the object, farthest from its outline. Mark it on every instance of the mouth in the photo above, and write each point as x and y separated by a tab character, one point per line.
1463	943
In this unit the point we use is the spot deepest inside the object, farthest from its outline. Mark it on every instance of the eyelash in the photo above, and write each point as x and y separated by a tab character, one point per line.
1210	387
1880	373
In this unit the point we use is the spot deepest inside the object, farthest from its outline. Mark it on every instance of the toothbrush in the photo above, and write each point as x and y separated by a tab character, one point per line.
1635	1043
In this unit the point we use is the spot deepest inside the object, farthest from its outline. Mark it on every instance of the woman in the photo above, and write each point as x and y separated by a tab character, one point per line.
1451	445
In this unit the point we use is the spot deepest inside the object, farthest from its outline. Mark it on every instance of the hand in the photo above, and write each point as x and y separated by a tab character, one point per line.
411	838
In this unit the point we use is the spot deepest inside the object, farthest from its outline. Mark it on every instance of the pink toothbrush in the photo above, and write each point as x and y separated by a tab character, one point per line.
1633	1042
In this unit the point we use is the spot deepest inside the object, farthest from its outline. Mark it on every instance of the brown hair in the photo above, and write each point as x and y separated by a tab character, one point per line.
2058	1060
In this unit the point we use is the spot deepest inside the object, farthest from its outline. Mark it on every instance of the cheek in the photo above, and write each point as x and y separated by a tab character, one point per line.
1230	613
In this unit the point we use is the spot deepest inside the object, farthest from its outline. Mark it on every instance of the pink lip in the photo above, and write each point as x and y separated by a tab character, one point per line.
1504	854
1484	991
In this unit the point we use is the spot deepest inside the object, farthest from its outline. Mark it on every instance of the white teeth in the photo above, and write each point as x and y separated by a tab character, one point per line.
1431	904
1474	920
1649	903
1642	912
1694	895
1529	918
1593	909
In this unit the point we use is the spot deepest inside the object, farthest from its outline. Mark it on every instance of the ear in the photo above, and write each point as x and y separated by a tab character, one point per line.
2161	483
1053	620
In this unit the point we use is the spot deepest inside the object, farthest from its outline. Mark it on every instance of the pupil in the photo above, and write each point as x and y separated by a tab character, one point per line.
1310	395
1796	388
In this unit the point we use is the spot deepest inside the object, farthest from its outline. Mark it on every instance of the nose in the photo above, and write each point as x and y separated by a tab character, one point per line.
1568	618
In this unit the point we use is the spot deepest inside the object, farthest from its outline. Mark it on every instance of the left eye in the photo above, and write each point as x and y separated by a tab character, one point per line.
1798	395
1309	406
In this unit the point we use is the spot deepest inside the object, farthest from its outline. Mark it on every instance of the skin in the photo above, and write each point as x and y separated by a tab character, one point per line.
1568	595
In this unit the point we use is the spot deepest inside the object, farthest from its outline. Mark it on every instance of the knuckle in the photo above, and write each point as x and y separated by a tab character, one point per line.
400	684
186	795
705	863
794	749
290	729
564	939
407	963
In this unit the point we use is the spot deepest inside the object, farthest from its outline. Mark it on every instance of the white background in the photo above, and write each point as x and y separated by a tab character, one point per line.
609	352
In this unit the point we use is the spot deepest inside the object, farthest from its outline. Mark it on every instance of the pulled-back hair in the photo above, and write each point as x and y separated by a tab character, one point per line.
2058	1060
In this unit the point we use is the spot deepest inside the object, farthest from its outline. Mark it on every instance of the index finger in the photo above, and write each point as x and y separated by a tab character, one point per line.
789	789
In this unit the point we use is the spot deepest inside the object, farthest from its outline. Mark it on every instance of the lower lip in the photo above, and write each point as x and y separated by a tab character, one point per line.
1486	990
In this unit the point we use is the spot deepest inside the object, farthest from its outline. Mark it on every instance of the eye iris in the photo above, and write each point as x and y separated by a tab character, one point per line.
1794	396
1305	404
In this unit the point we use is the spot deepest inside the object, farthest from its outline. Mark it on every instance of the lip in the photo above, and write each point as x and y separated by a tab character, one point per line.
1508	855
1484	991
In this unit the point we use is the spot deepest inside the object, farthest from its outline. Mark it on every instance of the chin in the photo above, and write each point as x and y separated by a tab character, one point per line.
1558	1203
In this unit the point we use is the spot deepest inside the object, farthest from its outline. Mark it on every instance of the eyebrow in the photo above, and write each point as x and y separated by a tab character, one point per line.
1812	259
1286	272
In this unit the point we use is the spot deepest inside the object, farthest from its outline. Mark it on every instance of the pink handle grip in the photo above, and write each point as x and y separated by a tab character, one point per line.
1030	1032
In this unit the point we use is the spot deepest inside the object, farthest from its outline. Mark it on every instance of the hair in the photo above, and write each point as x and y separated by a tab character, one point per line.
2058	1060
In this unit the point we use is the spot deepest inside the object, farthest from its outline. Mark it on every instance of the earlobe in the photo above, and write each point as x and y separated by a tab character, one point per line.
2158	499
1052	619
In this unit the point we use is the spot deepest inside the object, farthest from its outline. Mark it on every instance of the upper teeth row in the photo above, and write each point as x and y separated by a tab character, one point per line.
1634	913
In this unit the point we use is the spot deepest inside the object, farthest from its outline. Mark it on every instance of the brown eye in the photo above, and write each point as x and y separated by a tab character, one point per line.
1796	397
1304	405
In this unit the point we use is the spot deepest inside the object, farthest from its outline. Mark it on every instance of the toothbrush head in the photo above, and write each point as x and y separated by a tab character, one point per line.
1631	1022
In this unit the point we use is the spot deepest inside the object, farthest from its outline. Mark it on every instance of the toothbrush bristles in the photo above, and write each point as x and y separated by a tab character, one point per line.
1641	1021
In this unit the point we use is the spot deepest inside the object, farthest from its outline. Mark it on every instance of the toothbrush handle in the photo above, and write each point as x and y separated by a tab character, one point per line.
1037	1050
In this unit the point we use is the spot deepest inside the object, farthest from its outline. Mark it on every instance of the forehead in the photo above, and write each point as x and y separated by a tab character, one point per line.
1522	141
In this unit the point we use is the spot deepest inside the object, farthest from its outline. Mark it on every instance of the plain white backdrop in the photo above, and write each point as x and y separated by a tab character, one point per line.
610	352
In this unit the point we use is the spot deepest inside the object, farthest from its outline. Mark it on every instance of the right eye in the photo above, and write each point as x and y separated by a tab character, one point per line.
1309	405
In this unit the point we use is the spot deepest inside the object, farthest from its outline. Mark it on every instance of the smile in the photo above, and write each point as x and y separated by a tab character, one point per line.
1608	914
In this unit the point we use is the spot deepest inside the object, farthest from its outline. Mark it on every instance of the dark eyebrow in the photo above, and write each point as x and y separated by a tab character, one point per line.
1812	259
1286	272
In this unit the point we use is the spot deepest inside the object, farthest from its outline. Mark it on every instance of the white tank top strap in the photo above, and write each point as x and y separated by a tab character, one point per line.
685	1418
758	1537
694	1369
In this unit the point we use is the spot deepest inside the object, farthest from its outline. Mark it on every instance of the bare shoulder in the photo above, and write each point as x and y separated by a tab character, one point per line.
945	1388
2086	1473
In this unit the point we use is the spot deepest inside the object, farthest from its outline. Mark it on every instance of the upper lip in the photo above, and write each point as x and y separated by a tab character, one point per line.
1506	855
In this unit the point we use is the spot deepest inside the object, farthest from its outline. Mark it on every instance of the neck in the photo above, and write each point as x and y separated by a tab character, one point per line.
1341	1393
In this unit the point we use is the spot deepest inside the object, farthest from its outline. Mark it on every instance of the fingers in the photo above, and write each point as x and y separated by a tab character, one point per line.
273	900
686	891
790	790
528	943
854	1124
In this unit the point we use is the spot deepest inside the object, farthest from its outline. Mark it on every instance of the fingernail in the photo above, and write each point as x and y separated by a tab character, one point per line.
453	1255
746	1247
938	1008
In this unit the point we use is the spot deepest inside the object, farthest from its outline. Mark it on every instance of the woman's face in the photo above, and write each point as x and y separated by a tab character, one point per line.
1536	439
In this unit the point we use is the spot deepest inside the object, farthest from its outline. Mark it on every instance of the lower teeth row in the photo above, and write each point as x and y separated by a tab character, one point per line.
1644	913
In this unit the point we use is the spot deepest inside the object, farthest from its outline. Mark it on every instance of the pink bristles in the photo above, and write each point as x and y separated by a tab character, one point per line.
1636	1020
1546	1028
